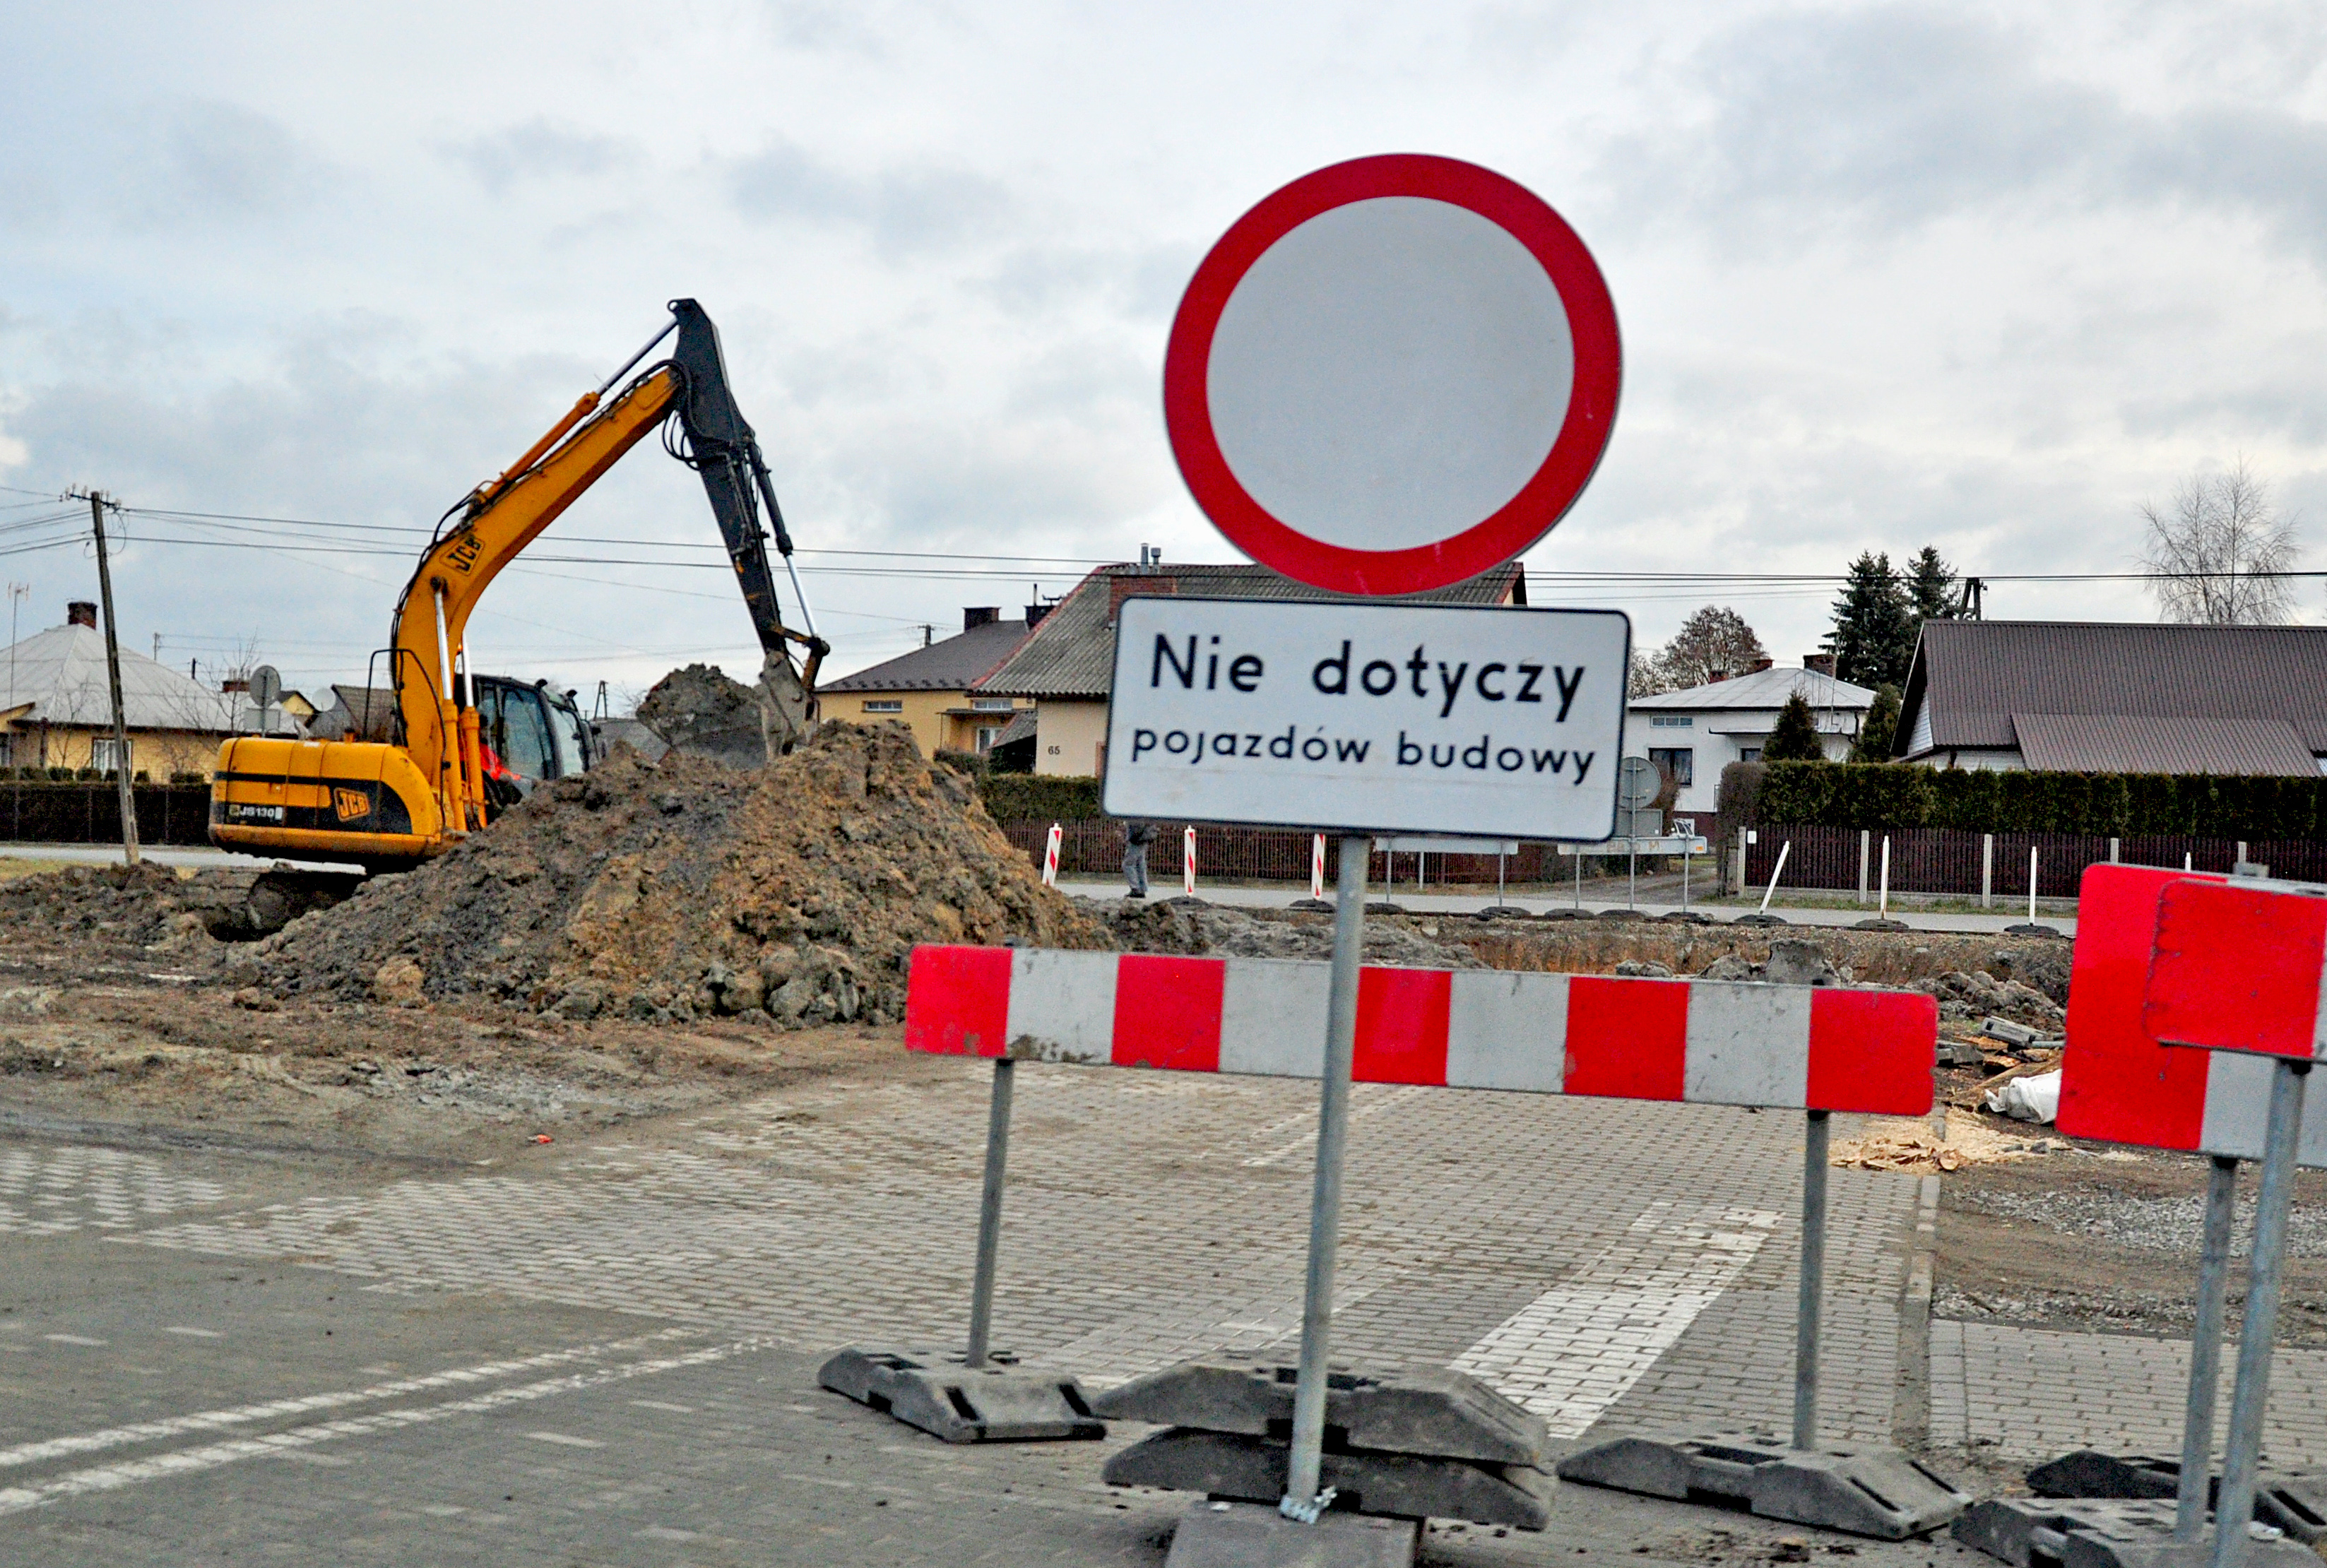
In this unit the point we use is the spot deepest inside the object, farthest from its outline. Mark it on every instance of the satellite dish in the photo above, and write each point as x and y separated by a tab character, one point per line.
1638	783
266	686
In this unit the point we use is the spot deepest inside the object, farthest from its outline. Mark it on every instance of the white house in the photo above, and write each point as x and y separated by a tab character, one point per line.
1691	735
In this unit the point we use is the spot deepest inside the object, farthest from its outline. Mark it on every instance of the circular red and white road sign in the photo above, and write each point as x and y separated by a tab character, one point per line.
1392	374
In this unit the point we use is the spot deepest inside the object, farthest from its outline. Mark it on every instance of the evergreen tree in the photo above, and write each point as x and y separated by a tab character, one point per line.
1874	634
1875	730
1931	587
1794	738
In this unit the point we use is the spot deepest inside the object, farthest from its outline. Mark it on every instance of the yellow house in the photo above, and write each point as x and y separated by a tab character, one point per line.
57	707
1067	662
928	689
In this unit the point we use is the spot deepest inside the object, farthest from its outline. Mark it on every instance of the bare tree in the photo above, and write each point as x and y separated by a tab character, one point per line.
1713	644
2214	559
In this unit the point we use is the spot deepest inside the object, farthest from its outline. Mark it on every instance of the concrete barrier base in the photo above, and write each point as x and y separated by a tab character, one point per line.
1861	1489
2294	1501
2104	1533
938	1395
1253	1536
1405	1485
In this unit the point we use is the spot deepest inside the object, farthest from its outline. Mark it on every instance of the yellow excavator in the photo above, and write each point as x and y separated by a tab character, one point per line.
389	805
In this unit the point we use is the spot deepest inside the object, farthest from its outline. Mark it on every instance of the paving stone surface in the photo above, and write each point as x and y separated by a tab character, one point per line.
201	1348
2034	1393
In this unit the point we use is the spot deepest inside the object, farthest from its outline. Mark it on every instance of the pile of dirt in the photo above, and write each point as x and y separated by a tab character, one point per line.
702	710
1192	927
141	907
683	887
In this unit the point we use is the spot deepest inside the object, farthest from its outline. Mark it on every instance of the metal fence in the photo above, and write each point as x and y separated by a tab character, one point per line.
1264	855
90	813
1947	860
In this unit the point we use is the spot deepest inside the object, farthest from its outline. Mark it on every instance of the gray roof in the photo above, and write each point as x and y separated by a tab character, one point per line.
1071	654
61	672
953	664
2139	743
1021	727
1765	689
1972	679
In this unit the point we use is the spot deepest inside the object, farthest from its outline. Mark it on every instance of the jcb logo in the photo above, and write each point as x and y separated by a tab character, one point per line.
350	803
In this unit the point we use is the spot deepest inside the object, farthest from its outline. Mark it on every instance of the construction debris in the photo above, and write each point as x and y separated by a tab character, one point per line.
683	888
1898	1144
702	710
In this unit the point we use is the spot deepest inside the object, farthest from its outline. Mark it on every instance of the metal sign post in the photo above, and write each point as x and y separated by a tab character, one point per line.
2190	1499
1812	1294
2234	1508
1303	1500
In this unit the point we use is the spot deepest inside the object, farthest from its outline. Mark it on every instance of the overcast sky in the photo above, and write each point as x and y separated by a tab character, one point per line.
1887	274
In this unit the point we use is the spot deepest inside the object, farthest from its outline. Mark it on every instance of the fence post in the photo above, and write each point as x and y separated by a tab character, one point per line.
2113	843
1987	870
1865	834
1741	863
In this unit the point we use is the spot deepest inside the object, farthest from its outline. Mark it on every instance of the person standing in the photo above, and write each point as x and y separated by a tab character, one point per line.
1137	837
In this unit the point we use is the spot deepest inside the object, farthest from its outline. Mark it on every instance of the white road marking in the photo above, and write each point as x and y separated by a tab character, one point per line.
568	1441
1358	1112
192	1461
72	1339
1577	1348
196	1333
665	1404
304	1404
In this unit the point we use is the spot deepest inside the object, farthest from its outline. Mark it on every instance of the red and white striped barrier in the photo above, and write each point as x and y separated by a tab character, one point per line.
2119	1082
1317	866
1050	856
1188	862
1703	1042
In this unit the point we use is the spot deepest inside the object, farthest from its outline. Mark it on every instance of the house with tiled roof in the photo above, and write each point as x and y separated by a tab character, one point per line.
2124	697
57	707
1066	664
1690	735
928	690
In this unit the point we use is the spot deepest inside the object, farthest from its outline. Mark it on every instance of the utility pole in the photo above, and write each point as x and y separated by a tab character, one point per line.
113	678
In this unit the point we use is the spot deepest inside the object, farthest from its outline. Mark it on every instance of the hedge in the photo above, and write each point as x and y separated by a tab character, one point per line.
1045	797
1893	795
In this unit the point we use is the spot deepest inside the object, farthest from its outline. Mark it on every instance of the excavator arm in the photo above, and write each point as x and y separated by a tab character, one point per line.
494	524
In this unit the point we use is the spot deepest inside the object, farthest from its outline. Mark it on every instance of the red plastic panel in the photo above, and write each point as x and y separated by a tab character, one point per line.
1627	1037
2118	1082
2237	969
1861	1058
1167	1011
957	1001
1402	1026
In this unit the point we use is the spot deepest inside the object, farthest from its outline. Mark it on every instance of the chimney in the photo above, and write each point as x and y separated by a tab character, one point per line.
976	615
1819	664
80	612
1126	585
231	686
1034	613
1760	664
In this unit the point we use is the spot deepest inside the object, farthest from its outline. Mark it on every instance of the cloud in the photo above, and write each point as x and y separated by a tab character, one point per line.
905	210
203	161
1883	122
538	149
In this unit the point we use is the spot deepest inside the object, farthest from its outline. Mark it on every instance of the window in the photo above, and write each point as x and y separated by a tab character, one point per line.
1678	763
986	735
992	705
1672	721
1749	754
104	753
516	728
884	704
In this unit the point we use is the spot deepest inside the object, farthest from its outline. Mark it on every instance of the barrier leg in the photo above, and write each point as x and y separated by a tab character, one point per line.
989	1212
2234	1511
1813	1286
976	1396
1302	1498
2206	1351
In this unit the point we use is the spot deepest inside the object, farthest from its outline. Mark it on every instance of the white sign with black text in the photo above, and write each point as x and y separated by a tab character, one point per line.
1415	718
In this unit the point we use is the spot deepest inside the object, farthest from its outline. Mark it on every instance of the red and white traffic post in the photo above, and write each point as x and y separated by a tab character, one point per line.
1188	862
1317	866
1050	856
